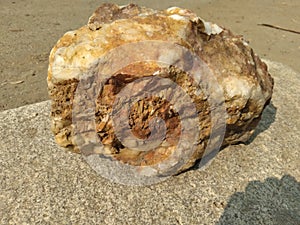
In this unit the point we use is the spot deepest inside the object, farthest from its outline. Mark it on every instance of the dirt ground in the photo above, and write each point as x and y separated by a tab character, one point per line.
29	29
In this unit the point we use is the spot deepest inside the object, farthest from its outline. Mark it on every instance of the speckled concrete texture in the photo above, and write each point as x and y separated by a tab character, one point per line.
256	183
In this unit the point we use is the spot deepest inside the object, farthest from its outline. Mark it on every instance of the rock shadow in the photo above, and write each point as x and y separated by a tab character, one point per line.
268	117
273	201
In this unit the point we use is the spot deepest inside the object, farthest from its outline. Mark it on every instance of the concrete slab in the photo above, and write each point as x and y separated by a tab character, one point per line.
257	183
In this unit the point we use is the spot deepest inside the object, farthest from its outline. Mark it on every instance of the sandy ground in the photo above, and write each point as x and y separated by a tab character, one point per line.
29	29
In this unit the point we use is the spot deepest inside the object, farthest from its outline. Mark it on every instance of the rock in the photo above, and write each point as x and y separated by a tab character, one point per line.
154	89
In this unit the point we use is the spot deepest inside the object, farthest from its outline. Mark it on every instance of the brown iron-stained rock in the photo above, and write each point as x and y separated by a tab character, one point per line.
79	55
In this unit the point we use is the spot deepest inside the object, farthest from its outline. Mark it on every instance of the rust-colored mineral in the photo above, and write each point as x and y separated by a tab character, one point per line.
79	56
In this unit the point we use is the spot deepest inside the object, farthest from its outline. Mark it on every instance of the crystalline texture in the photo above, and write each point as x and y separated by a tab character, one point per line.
77	56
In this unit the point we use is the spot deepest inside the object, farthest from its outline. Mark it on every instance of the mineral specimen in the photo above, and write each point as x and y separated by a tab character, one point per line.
148	86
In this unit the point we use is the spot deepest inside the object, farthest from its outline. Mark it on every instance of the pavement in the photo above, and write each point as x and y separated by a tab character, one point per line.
253	183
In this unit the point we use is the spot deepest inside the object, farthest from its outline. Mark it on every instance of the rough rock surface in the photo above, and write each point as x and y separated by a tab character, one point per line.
81	56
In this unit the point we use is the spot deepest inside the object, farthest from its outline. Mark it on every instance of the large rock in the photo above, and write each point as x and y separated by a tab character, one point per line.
113	82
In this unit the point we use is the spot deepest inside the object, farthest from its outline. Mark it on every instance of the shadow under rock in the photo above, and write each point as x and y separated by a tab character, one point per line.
272	202
268	117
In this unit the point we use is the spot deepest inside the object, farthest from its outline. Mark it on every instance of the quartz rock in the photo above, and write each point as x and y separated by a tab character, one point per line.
101	80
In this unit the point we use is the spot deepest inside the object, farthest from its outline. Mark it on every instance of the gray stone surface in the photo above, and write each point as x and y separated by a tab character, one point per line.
41	183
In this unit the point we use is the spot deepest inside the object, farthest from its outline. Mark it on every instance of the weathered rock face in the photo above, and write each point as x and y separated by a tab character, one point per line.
102	77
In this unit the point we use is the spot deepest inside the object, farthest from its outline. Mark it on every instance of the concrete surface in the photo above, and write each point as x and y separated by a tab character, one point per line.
257	183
